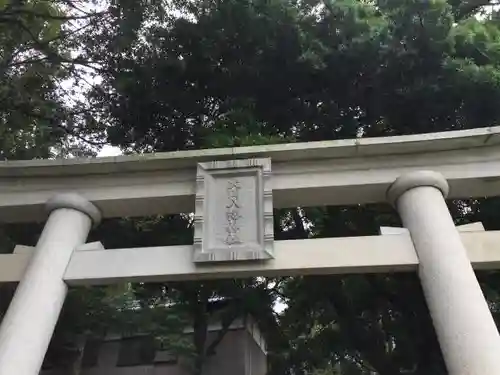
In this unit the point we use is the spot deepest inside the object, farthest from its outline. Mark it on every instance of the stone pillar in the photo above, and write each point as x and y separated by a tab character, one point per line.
466	331
28	325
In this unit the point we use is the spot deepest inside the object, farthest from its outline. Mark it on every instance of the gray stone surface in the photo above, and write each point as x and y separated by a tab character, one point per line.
234	211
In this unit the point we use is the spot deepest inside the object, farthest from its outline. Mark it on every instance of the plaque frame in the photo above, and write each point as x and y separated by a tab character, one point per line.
260	168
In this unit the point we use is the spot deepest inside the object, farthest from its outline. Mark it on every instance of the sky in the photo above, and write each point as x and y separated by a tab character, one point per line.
109	151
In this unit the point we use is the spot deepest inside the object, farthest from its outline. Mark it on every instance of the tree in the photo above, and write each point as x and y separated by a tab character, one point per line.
281	70
27	92
240	72
39	113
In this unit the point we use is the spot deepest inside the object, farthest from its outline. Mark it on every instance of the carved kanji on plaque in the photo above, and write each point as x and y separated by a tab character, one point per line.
234	211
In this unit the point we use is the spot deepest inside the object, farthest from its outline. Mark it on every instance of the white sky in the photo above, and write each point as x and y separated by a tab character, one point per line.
109	151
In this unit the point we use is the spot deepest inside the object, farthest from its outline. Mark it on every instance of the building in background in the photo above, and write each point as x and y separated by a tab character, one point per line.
242	351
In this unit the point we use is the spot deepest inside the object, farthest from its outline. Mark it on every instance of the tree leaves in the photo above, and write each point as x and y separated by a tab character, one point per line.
249	72
197	74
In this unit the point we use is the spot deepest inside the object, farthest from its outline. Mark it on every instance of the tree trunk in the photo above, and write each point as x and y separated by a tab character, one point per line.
200	326
75	367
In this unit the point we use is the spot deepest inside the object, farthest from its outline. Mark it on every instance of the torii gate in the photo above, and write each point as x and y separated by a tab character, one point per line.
232	193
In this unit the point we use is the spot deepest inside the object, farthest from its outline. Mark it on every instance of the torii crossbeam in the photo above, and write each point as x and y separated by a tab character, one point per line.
232	193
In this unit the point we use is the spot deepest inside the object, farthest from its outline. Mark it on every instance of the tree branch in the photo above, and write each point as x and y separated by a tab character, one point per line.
221	333
59	126
361	338
4	16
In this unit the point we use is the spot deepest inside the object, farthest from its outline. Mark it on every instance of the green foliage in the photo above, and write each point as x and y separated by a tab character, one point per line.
196	74
28	106
249	72
285	72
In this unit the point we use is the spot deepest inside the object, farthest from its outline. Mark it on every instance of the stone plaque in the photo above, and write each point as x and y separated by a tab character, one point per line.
234	211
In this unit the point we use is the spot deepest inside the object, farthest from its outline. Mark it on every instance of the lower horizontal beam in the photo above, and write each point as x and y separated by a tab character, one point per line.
294	257
373	254
12	266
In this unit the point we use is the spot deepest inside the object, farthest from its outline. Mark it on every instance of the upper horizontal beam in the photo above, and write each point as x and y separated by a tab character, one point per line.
373	254
304	174
337	149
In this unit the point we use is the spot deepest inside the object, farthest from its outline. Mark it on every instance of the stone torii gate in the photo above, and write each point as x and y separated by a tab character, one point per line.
232	192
